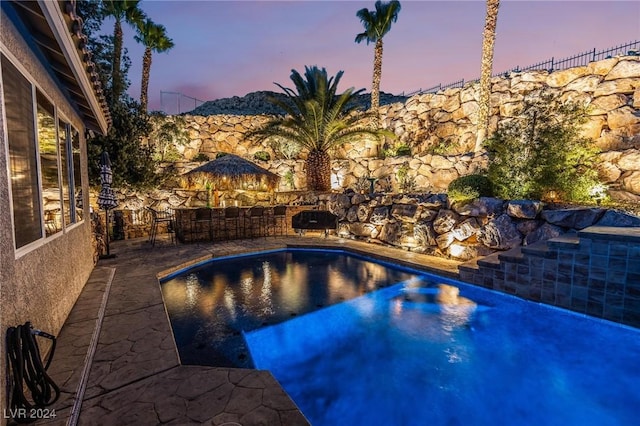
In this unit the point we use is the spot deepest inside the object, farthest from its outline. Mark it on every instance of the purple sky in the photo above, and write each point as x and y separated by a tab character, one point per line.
228	48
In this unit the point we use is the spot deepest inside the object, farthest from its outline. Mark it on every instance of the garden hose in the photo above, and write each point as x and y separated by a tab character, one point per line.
25	366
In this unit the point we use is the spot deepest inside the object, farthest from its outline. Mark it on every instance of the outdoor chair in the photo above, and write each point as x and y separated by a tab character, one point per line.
278	221
157	217
257	221
233	221
201	226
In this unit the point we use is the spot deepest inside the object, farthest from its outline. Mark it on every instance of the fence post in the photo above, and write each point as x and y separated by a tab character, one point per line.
594	55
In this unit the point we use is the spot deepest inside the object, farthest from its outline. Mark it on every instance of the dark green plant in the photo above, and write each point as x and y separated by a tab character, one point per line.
132	162
290	178
284	148
442	147
318	119
468	188
201	157
262	156
541	150
166	135
406	182
221	154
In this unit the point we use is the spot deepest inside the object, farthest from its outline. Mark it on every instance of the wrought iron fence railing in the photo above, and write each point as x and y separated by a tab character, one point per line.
632	48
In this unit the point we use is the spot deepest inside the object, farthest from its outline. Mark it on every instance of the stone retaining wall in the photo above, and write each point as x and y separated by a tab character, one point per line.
429	224
440	129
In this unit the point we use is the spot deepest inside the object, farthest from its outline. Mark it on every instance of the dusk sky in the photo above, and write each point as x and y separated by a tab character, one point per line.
231	48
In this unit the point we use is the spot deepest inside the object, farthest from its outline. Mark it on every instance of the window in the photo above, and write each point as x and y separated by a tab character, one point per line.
44	161
48	148
23	162
76	174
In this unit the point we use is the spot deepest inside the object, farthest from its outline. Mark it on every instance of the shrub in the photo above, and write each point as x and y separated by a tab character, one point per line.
406	182
395	151
541	150
201	157
221	154
442	147
262	156
468	188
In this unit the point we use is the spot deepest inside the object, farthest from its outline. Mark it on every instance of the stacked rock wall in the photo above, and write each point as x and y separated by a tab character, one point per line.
440	129
430	224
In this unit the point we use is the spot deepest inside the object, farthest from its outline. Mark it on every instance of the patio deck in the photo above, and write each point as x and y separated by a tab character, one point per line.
134	376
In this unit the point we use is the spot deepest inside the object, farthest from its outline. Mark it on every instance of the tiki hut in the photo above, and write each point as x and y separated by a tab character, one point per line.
229	173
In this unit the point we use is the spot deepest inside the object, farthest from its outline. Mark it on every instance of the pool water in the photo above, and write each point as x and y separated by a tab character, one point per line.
439	352
210	305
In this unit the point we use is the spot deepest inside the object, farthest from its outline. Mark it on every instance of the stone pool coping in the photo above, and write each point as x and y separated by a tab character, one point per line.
134	376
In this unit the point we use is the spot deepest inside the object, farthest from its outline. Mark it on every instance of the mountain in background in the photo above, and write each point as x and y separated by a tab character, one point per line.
256	103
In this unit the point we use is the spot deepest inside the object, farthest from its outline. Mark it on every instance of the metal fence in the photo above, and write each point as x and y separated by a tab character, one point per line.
173	103
632	48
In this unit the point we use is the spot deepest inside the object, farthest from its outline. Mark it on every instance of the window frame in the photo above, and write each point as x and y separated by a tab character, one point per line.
59	118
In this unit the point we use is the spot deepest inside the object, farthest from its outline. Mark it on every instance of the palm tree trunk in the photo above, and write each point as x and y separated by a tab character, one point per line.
377	76
144	86
116	77
318	170
488	41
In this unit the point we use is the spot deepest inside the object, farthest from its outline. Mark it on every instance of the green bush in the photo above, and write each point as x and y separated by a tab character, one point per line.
541	150
442	147
395	151
221	154
201	157
468	188
262	156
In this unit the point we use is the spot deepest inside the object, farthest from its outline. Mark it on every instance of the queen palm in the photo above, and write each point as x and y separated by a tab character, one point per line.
318	119
376	24
154	38
488	41
122	11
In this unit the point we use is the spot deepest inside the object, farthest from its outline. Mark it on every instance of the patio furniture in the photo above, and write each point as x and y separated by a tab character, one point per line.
159	217
315	220
256	220
233	221
201	225
278	221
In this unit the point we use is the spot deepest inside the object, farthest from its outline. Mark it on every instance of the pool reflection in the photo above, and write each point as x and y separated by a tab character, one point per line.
211	305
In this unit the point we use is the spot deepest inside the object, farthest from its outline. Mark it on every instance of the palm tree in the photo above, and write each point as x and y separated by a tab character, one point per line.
154	38
122	11
317	119
376	24
488	40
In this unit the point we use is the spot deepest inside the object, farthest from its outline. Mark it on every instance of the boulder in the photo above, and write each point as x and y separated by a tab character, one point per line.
352	214
404	212
466	229
524	209
500	233
364	210
576	218
618	219
380	215
481	207
445	221
424	235
526	227
394	233
543	233
362	230
445	240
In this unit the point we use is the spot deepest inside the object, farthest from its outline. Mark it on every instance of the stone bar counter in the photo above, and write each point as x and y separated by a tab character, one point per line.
218	223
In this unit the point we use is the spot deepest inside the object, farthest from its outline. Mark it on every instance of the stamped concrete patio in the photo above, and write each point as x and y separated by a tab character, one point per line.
116	361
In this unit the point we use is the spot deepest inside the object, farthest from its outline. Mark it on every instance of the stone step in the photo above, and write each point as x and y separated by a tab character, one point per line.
567	241
539	249
469	266
491	261
514	255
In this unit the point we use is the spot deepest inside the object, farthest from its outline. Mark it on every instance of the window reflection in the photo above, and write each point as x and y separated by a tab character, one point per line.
76	173
18	105
63	148
48	148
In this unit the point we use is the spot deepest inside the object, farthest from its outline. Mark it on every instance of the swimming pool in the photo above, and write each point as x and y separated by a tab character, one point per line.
211	304
439	352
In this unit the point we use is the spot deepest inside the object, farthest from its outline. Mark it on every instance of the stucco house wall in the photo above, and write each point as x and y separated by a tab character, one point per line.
40	284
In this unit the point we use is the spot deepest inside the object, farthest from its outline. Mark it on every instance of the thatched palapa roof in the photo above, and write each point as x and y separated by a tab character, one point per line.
231	172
